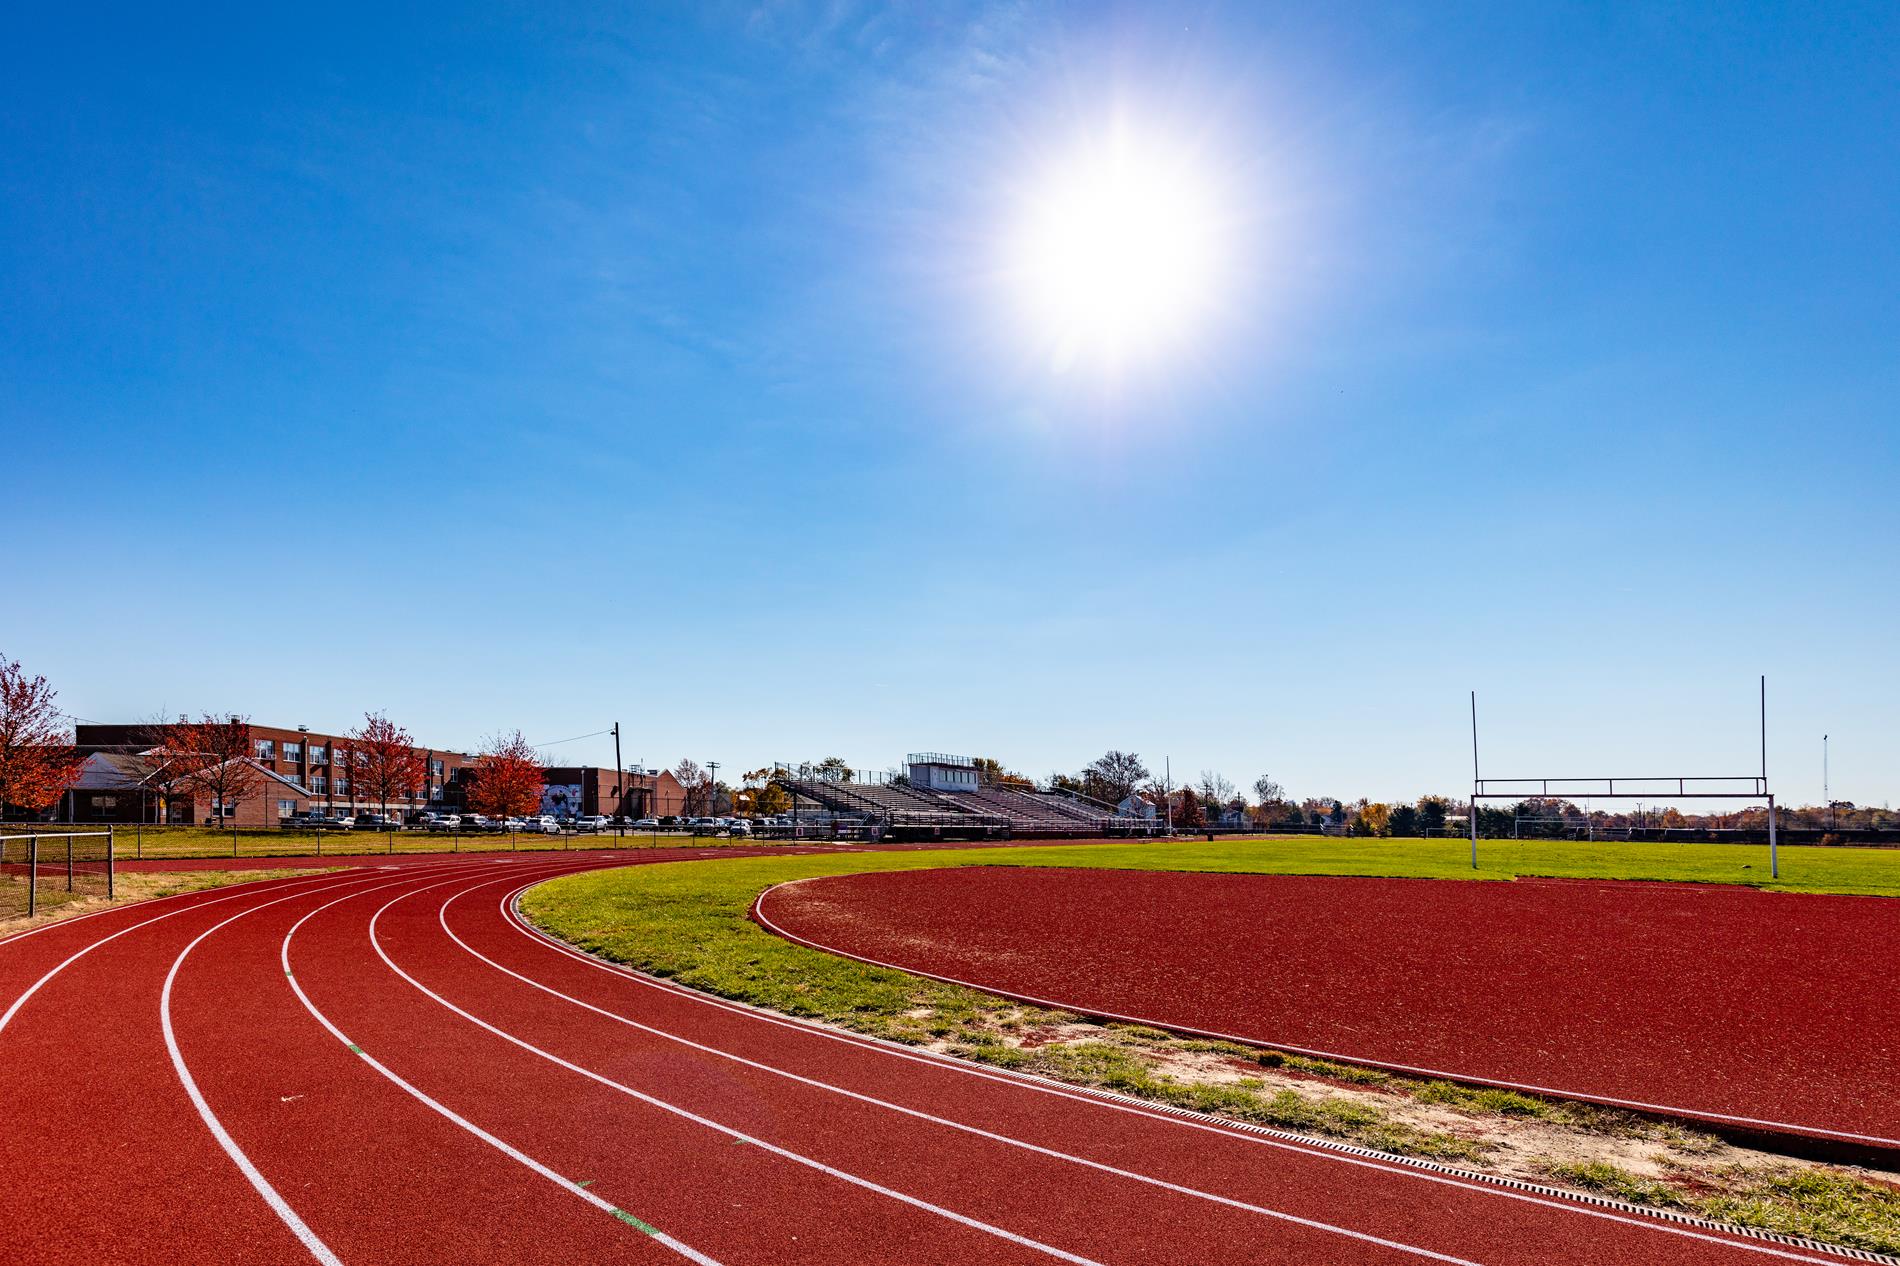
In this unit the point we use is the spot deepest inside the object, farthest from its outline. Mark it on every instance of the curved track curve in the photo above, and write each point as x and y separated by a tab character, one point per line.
1682	999
387	1065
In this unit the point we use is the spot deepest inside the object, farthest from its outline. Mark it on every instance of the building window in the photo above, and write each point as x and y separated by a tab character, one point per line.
319	754
293	751
435	769
266	749
342	786
286	808
319	783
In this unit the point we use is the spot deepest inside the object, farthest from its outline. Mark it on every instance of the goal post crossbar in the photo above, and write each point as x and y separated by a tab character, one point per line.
1693	787
1671	787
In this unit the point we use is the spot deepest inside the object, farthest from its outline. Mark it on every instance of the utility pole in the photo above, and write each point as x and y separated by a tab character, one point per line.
620	782
1826	794
1167	789
712	788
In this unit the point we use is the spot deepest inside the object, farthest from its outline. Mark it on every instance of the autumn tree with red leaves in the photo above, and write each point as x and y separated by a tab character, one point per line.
37	760
508	778
212	757
384	762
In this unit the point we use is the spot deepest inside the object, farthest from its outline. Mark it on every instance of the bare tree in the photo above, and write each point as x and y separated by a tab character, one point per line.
1113	776
212	757
697	785
1214	788
1267	791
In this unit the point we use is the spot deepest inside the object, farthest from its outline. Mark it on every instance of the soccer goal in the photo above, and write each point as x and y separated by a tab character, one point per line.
1750	788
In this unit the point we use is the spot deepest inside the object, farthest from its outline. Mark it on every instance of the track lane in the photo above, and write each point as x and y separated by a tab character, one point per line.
708	1188
379	1176
1009	1184
234	1008
84	1047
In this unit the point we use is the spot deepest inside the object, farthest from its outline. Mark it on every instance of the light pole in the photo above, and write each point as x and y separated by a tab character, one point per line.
1826	793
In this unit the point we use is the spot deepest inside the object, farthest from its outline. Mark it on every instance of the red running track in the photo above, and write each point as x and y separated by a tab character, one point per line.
1771	1011
387	1066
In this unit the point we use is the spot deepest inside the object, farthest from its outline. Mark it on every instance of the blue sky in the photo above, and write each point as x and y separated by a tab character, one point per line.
541	365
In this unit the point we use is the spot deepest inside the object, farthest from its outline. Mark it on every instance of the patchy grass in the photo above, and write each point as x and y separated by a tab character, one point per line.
688	921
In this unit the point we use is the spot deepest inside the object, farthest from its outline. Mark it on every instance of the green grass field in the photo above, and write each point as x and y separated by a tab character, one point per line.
688	919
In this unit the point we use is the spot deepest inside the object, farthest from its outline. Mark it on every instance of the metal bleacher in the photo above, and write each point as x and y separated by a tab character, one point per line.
984	812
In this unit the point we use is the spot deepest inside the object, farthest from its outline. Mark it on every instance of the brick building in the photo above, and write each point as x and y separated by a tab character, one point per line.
126	787
644	793
308	770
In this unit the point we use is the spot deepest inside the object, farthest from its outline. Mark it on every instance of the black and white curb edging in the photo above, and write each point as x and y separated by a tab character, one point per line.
1249	1127
1436	1167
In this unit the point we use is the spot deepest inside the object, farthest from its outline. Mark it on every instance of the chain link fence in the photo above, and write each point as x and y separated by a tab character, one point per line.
43	869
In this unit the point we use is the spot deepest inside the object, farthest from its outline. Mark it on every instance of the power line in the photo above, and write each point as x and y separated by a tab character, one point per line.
577	738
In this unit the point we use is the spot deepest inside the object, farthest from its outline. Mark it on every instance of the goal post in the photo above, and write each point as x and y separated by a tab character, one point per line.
1752	788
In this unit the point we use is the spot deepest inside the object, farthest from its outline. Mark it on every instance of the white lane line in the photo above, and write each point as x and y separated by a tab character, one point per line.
918	1114
1812	1131
242	890
729	1131
13	938
535	935
513	1153
278	1205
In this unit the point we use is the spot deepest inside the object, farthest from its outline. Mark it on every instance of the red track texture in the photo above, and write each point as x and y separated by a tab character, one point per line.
1769	1011
388	1066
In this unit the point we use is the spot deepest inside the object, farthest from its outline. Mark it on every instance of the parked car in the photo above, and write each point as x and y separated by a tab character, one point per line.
646	824
479	822
739	827
316	822
592	822
445	821
540	824
376	822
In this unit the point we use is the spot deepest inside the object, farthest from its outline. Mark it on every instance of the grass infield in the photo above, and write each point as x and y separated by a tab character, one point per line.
688	921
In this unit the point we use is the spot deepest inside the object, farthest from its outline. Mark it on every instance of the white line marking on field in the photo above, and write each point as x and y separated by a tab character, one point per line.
513	1153
729	1131
978	1131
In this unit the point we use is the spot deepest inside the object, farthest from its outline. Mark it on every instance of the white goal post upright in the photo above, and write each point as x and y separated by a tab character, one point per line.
1697	787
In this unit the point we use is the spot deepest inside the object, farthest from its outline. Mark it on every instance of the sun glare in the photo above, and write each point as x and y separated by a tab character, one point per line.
1117	254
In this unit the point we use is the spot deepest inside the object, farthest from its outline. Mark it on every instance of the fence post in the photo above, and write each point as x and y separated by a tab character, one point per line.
69	862
110	841
32	875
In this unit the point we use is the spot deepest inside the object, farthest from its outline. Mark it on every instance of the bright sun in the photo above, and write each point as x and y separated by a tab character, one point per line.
1117	255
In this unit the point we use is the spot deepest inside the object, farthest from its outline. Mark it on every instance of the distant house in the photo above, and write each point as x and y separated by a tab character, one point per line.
117	787
130	787
1137	807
